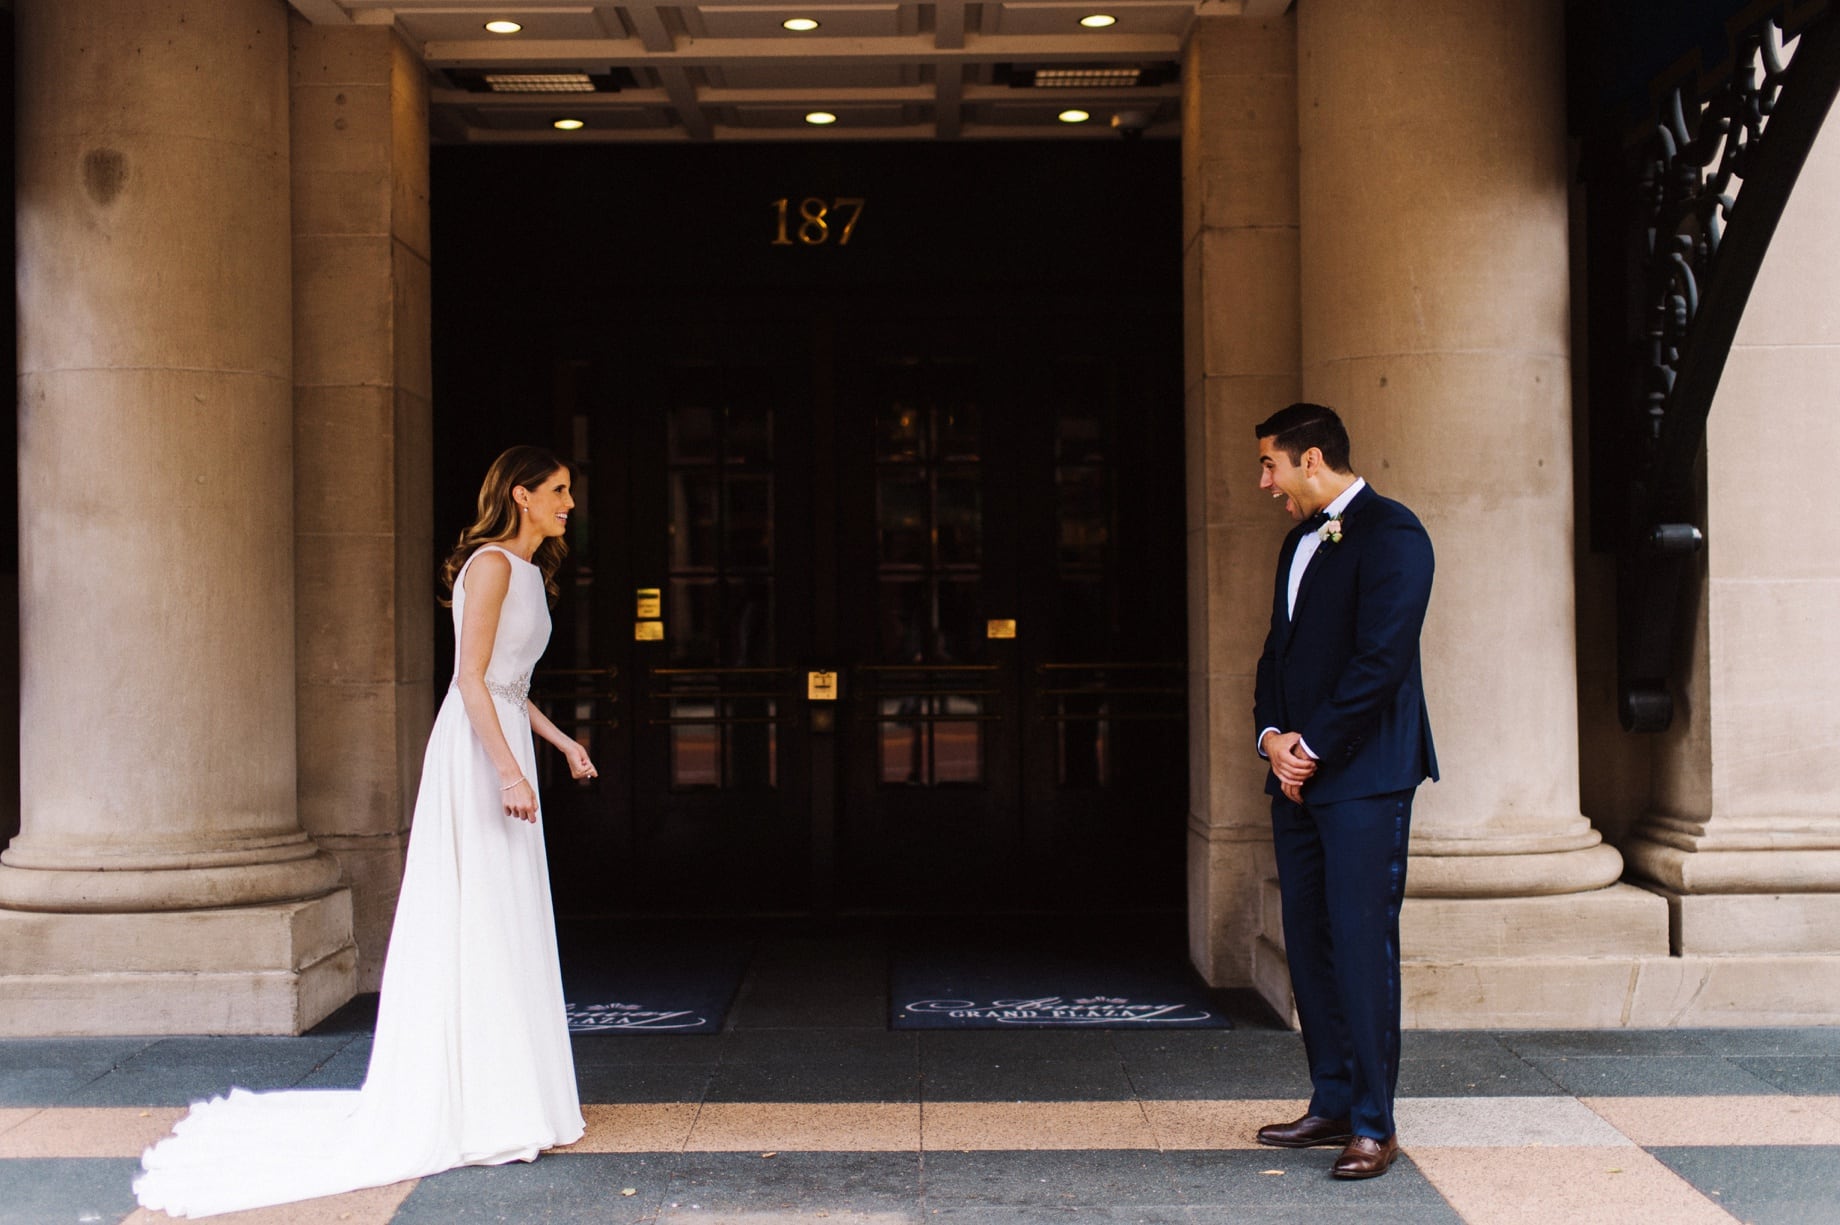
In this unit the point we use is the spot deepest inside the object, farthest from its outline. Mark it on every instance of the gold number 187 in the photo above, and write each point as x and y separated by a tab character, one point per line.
814	228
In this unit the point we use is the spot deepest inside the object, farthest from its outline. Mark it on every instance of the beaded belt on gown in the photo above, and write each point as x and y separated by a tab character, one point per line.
516	692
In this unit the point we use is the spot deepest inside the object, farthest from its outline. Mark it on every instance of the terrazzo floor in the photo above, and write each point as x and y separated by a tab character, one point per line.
808	1108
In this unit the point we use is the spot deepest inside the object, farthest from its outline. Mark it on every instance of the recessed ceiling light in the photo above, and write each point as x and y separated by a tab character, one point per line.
820	118
1098	21
503	27
1075	116
800	24
568	125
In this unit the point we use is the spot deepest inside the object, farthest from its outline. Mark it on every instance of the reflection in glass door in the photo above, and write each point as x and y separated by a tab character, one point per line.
720	771
929	740
929	518
719	596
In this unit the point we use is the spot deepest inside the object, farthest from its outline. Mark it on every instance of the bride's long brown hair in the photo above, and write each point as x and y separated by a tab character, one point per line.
498	516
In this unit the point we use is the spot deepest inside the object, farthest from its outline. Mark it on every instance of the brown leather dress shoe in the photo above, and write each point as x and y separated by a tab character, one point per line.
1366	1157
1307	1132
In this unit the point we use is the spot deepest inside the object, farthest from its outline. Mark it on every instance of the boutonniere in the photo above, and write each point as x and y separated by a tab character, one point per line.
1330	532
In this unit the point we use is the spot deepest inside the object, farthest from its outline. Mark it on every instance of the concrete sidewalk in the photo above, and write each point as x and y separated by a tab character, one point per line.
807	1107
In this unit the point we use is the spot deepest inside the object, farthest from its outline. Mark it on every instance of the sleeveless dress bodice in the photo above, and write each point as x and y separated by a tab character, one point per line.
523	626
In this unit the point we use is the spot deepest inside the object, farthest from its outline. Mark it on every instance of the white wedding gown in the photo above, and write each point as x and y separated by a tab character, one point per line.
471	1062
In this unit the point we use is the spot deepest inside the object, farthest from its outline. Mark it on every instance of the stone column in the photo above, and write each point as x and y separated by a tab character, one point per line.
161	881
1744	832
1239	194
1435	309
363	442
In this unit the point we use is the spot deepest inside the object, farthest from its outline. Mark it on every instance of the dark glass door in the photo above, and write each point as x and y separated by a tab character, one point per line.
720	532
941	461
929	732
981	538
695	559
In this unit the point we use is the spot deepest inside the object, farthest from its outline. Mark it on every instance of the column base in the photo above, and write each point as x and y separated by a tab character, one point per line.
1271	977
277	969
1619	993
1581	870
1558	961
1754	924
1758	870
373	868
1225	867
295	870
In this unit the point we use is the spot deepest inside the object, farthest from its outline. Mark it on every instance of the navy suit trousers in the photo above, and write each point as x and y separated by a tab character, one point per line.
1342	871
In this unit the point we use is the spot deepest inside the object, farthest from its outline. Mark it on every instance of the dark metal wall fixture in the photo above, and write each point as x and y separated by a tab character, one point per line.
1704	183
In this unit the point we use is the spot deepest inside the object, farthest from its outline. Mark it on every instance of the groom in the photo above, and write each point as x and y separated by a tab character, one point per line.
1340	713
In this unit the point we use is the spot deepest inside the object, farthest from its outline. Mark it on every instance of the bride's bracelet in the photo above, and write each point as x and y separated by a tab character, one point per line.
509	786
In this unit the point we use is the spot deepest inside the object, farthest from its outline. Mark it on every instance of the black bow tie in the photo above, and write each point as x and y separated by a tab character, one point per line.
1316	520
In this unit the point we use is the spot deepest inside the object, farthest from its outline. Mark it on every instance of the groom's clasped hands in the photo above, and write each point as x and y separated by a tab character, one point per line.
1289	762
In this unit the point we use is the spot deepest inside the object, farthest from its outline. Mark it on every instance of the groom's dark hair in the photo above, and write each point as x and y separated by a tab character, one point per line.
1298	427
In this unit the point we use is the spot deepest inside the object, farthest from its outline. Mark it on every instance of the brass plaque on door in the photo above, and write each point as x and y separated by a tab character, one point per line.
821	686
1000	629
648	631
647	603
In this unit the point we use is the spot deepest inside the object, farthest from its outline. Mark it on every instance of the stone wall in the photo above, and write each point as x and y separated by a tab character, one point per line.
363	441
1239	189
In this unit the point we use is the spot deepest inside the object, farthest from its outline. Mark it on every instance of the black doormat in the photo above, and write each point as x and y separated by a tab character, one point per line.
629	979
1049	974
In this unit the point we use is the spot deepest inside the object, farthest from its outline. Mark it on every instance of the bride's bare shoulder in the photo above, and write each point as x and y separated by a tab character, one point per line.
488	569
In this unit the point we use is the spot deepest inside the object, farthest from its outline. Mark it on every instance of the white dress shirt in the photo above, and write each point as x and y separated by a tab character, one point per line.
1306	548
1300	561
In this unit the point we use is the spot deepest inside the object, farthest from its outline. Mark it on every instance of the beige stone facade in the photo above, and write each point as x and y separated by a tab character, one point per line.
1239	165
363	406
252	889
1742	830
225	297
161	880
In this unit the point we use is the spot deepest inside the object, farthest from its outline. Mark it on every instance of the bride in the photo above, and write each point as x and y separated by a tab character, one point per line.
471	1062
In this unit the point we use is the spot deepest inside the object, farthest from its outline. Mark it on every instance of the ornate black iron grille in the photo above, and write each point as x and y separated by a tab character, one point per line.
1690	182
1709	182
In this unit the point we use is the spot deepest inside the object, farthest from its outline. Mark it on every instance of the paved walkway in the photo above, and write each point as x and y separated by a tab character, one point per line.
807	1108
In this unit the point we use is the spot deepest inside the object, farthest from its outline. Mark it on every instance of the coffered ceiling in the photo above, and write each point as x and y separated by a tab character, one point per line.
664	70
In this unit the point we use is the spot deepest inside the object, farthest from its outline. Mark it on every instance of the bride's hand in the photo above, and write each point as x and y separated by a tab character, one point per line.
579	765
520	801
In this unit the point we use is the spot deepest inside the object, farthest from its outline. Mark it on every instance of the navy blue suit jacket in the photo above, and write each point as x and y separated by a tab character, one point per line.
1345	672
